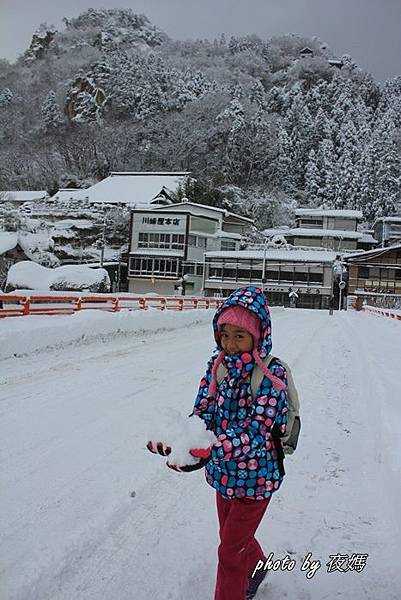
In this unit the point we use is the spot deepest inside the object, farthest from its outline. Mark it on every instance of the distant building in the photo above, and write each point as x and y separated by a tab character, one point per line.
387	230
168	244
309	273
323	218
332	239
326	228
70	194
137	189
309	53
377	271
18	197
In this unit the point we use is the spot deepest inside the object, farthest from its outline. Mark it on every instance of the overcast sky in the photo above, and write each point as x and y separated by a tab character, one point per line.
369	30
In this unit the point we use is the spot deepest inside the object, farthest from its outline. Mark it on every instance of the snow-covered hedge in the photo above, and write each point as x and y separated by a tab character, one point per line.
31	276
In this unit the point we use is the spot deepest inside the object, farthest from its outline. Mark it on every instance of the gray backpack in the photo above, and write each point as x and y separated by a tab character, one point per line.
290	439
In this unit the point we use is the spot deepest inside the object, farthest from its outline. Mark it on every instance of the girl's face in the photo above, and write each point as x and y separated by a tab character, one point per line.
235	340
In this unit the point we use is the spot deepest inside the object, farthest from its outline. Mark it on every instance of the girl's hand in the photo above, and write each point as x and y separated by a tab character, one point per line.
187	468
159	448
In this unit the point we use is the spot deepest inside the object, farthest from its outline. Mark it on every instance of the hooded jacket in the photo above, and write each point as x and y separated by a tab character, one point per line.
243	462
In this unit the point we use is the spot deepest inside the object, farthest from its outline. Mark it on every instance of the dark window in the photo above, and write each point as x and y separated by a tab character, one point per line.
229	273
363	272
316	277
199	270
272	275
244	274
301	277
286	276
398	273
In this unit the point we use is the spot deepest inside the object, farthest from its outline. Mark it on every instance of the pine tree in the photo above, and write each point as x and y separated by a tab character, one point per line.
51	115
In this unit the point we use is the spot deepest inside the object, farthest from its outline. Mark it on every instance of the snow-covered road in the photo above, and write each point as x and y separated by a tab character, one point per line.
88	514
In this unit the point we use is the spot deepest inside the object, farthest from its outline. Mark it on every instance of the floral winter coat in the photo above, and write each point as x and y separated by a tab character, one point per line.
244	462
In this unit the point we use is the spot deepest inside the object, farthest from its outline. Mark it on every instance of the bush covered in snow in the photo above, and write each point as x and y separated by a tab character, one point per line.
74	278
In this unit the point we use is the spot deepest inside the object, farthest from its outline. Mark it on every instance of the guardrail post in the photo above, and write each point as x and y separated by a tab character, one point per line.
207	302
26	304
116	304
142	303
195	302
180	304
78	304
163	303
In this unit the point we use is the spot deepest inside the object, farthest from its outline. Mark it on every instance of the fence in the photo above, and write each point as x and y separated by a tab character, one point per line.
382	312
16	306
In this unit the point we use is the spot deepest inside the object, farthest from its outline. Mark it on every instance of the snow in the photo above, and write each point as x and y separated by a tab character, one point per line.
375	252
327	212
27	274
23	196
8	241
331	233
287	255
69	194
134	188
88	513
187	206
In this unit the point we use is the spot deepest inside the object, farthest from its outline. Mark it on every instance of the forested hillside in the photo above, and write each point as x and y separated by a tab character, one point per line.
256	124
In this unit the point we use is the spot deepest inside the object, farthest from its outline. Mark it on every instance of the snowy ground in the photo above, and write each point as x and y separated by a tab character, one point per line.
89	514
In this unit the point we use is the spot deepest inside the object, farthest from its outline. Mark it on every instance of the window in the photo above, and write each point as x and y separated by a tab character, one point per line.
199	270
228	245
197	241
163	241
215	272
159	267
316	277
287	276
363	272
300	277
229	273
272	275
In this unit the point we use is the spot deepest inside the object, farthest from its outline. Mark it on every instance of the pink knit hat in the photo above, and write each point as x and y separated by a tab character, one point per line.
245	319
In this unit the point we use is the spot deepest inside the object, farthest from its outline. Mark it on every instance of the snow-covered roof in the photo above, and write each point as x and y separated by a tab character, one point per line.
8	241
135	189
387	220
333	233
310	256
23	195
328	212
74	223
70	194
375	252
226	234
188	205
361	236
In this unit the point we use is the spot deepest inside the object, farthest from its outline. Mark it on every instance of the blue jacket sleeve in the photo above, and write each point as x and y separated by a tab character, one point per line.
253	432
205	407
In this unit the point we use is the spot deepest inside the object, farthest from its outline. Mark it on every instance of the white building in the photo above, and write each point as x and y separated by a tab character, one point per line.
137	189
18	197
168	245
388	230
309	273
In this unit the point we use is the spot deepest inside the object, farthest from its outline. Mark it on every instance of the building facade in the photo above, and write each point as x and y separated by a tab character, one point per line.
377	271
324	228
308	273
168	245
387	230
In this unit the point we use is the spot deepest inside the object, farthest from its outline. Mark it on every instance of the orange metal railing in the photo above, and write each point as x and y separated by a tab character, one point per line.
17	306
383	312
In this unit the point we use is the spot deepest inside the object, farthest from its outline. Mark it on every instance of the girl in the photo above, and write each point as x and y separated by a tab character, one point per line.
244	464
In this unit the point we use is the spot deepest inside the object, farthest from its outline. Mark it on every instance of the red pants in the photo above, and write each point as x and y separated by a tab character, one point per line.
239	551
